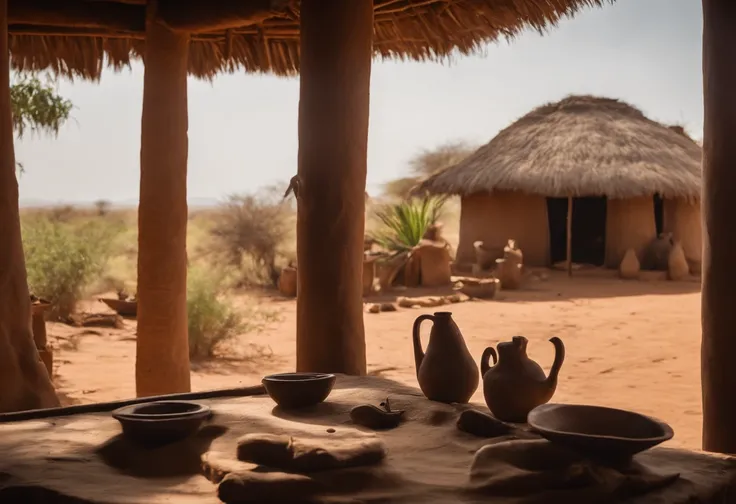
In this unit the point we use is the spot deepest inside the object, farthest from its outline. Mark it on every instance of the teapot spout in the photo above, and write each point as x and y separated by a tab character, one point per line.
559	359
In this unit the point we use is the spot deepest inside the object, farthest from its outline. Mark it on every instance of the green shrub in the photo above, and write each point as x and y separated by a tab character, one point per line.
62	259
250	231
404	223
213	321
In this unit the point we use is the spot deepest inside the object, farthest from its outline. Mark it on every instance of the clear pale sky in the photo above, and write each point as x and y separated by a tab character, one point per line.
243	129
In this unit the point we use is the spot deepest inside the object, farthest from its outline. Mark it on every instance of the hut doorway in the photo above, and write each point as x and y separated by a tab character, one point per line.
588	230
659	213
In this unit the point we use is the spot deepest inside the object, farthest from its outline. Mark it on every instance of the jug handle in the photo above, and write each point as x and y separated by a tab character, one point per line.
418	352
484	364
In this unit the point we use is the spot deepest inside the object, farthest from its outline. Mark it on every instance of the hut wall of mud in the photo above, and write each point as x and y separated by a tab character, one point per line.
496	218
629	224
682	219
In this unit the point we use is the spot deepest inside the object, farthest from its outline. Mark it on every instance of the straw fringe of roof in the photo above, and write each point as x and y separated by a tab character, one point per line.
403	29
579	146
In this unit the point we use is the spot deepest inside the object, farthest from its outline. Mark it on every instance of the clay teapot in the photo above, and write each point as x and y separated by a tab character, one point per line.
446	372
515	384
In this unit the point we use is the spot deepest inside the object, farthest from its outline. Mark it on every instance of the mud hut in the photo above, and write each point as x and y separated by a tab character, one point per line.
621	178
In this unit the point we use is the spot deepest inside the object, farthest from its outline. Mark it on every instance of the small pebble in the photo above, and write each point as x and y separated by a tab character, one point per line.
330	430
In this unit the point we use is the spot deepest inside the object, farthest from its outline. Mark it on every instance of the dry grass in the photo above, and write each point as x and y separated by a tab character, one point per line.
580	146
121	267
267	39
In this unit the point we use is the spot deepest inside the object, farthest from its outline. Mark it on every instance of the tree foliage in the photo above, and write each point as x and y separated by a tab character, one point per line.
37	107
429	161
425	163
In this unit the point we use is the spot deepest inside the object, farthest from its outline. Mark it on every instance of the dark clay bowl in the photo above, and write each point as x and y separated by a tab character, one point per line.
299	390
599	432
161	422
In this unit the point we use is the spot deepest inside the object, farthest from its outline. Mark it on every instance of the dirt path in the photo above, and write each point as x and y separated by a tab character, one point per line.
634	345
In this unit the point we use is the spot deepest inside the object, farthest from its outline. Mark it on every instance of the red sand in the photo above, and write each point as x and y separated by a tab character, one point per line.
633	345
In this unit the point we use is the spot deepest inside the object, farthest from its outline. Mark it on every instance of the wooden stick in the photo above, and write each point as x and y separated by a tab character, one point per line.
569	236
186	16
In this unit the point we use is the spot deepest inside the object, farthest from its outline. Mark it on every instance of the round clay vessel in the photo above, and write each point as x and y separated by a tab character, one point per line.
161	422
446	372
603	433
299	390
516	384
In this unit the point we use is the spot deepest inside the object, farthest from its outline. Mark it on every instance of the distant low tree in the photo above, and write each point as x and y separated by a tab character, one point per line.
36	106
427	162
103	207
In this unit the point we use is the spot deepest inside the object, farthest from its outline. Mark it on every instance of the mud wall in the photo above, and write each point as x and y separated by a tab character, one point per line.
682	219
494	218
629	224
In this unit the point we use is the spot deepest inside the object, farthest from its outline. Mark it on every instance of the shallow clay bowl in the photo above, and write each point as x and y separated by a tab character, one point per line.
599	432
161	422
299	390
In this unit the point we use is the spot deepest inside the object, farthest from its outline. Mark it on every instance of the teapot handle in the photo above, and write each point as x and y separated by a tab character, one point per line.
484	360
418	352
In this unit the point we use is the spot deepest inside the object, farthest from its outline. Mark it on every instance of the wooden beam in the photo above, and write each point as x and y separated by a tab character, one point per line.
718	315
78	14
162	344
334	95
569	236
24	381
190	16
63	31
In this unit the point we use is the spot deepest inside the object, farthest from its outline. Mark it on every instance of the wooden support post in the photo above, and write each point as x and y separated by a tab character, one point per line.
24	381
162	359
569	236
336	51
719	227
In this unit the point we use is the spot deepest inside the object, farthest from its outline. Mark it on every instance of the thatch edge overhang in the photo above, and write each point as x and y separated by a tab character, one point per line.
530	156
419	30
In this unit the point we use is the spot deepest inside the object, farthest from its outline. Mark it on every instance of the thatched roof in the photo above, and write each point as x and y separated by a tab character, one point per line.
580	146
78	37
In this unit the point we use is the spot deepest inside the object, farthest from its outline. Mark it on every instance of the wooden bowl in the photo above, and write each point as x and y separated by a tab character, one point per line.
161	422
299	390
599	432
122	308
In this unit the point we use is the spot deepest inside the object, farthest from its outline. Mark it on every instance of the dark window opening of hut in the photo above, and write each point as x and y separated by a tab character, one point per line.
588	230
659	213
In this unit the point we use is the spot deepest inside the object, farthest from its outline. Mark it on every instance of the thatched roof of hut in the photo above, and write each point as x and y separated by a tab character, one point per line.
580	146
78	37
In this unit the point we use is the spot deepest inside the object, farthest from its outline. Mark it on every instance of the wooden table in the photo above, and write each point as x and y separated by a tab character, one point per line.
77	455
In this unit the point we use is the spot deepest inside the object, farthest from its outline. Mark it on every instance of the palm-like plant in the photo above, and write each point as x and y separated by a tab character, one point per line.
405	223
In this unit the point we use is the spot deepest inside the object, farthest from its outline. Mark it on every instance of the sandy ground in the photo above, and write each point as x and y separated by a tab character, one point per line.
632	345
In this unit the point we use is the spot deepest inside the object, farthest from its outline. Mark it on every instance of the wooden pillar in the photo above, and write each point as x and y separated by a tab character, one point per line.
24	381
719	227
569	236
162	359
336	51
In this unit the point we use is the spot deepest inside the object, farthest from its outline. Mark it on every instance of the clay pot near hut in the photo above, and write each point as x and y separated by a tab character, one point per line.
434	263
288	281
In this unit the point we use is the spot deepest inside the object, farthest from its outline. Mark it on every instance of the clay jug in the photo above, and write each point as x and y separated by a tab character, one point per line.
446	372
515	385
677	265
629	268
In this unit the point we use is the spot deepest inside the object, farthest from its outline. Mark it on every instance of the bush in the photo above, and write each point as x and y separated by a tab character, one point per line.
250	230
405	223
62	259
212	321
